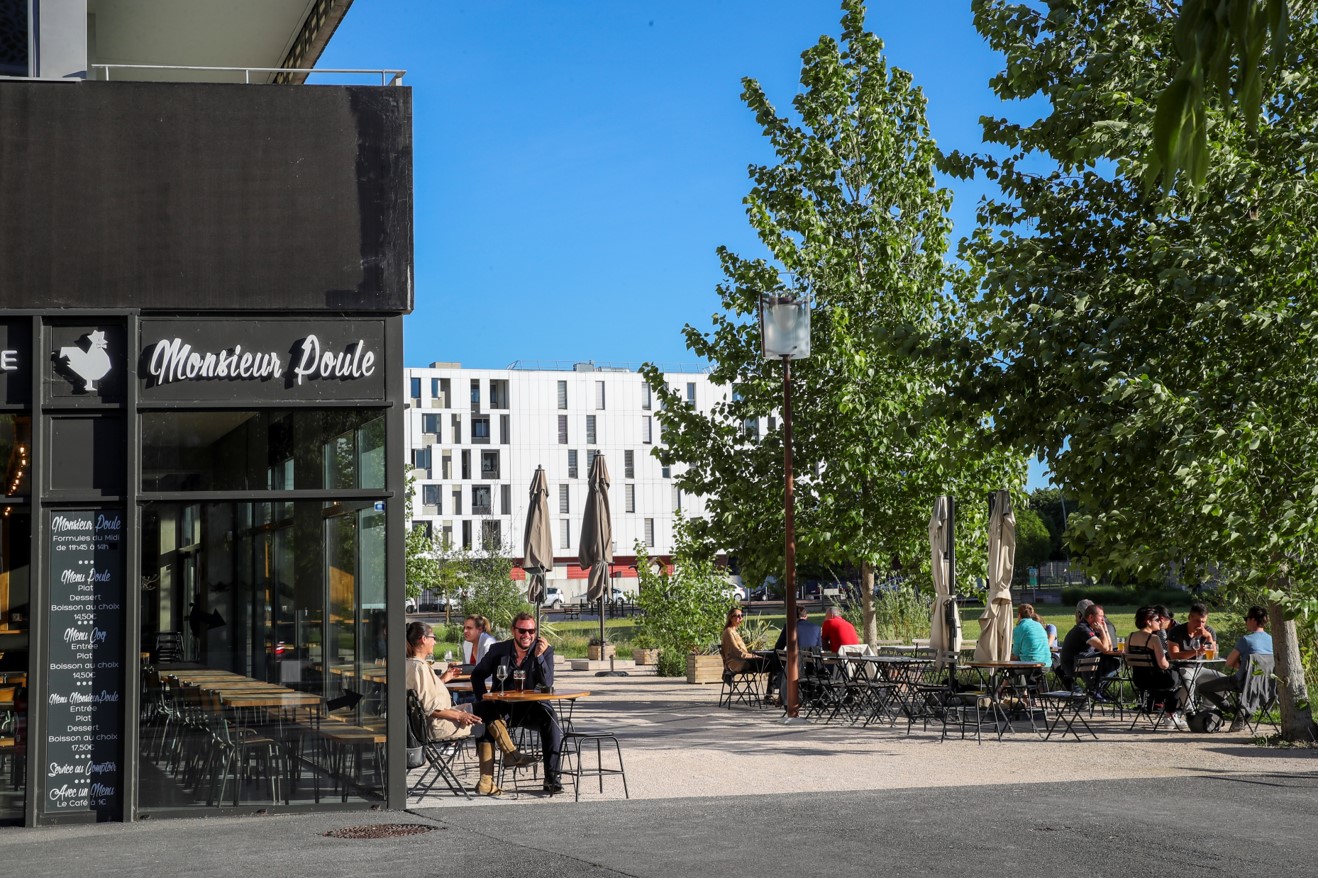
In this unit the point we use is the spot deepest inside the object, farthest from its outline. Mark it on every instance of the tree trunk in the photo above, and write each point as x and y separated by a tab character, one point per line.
871	635
1292	691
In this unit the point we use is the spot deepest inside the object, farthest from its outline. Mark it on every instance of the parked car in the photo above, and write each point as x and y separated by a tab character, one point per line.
409	606
736	592
554	597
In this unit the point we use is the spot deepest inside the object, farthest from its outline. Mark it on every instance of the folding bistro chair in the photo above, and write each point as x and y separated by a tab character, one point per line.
740	687
1154	687
1258	694
439	752
1070	704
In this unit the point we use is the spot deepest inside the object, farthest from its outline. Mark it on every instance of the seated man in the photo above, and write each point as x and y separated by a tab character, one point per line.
533	655
807	637
1191	638
1256	641
836	631
1087	638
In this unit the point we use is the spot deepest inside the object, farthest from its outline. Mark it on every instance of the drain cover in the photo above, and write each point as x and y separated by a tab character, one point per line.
380	830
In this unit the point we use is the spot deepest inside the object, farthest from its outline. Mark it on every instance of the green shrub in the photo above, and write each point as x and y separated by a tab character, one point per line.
671	663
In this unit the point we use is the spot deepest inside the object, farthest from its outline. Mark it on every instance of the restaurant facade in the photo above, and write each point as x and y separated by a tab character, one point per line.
202	288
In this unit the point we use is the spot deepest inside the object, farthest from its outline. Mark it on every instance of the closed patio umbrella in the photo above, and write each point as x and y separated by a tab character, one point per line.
994	644
945	621
596	548
537	547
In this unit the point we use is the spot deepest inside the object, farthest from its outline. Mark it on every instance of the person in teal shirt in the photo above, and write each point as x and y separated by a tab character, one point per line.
1029	642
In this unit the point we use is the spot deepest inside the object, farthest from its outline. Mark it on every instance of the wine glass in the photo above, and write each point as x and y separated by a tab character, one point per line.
502	673
519	678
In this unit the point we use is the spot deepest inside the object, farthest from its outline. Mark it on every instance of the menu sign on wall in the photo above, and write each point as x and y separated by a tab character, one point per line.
84	753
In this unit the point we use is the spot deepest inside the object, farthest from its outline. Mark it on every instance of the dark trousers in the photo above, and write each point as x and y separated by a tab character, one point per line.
542	718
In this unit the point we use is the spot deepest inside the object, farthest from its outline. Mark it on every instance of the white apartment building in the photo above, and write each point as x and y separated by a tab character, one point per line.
476	436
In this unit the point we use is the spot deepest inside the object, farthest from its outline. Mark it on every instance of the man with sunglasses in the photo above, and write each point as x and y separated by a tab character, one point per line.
531	654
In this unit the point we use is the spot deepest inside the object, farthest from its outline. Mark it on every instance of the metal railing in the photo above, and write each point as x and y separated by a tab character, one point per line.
387	77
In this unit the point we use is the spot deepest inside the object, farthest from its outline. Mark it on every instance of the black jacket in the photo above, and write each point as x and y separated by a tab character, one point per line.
539	669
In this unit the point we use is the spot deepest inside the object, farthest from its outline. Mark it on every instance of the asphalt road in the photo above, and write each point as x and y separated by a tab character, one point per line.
1206	826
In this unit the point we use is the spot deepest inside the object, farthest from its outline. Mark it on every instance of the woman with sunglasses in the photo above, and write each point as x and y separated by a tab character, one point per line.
736	657
531	654
447	721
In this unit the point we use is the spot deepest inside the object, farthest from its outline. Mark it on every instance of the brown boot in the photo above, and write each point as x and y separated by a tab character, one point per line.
485	754
512	757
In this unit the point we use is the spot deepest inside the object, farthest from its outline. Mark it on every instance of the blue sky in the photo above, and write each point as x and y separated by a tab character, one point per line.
577	162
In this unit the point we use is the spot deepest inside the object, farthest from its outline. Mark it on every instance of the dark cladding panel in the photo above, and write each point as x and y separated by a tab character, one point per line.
226	197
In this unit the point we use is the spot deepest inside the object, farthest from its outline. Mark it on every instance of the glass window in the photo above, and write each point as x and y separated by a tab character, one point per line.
284	593
572	463
647	430
506	499
562	429
649	532
629	493
563	505
562	395
505	429
414	388
16	451
480	499
691	393
430	424
475	393
599	395
466	534
489	464
564	533
590	429
645	397
591	454
629	464
273	449
15	618
491	536
430	495
455	427
466	463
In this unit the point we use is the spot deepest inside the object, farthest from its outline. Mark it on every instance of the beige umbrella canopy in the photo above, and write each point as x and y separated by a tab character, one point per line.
596	549
994	644
945	622
537	546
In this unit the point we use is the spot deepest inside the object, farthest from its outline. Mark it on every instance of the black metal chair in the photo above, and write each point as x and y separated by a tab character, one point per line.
439	753
1258	694
740	687
1155	687
1071	703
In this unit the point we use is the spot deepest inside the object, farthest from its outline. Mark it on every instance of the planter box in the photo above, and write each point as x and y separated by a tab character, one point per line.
597	654
704	668
645	656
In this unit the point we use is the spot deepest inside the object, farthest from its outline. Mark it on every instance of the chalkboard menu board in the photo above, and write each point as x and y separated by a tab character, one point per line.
85	685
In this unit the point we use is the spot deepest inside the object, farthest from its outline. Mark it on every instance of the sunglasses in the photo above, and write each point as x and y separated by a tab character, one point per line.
524	630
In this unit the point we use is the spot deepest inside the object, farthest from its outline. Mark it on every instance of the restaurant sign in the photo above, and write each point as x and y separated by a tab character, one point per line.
85	682
266	360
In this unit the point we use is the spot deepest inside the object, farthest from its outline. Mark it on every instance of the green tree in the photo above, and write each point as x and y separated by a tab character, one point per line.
1034	545
1156	349
421	563
851	213
683	610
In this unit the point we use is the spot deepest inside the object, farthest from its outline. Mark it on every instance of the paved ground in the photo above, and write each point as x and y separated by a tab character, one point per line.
717	792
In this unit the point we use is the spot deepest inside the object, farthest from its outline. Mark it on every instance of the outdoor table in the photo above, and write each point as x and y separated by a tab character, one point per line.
514	697
1007	680
1188	670
903	673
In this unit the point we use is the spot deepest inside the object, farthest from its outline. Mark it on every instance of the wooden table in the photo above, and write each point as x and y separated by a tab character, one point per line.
514	697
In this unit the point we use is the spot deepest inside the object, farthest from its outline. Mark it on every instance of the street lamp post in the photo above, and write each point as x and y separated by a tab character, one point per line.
785	335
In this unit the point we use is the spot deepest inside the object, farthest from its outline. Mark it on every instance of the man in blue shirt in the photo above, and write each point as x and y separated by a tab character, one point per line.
1256	641
807	637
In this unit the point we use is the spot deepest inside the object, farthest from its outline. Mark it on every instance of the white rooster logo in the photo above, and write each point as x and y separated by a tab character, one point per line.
92	364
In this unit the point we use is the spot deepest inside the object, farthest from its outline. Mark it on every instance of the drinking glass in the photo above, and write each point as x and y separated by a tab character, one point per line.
502	673
519	678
